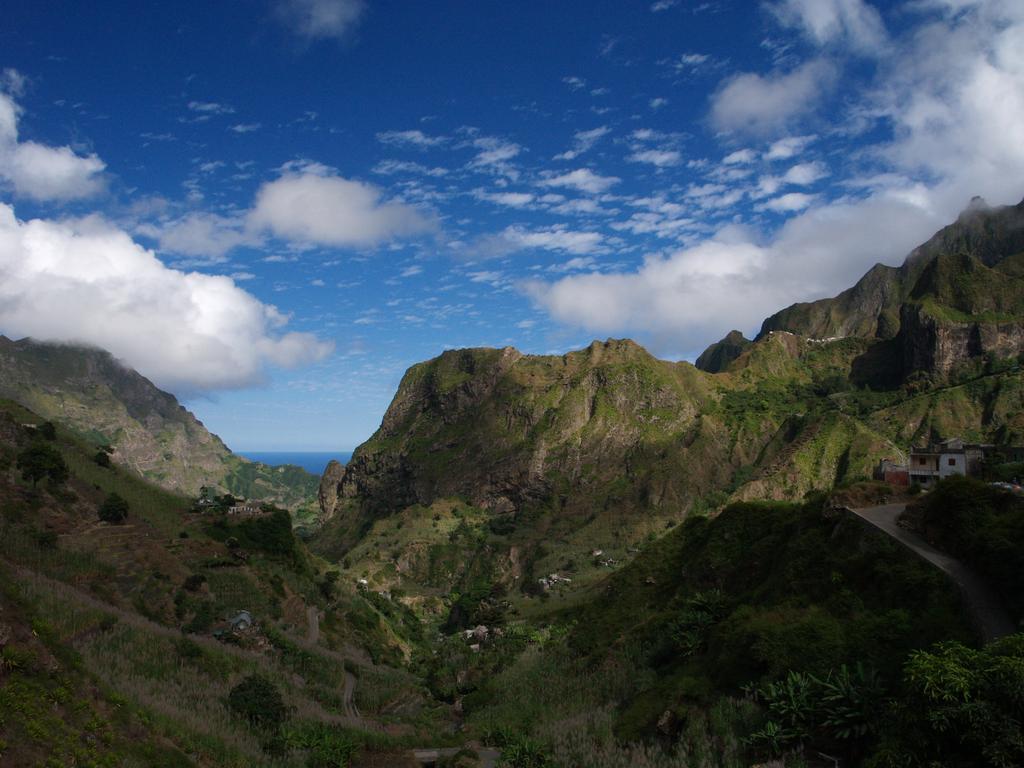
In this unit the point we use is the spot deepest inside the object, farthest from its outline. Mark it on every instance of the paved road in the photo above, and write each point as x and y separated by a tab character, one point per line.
985	607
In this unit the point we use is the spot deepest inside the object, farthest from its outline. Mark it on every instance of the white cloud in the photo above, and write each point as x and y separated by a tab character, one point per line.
826	22
761	104
518	238
494	155
318	19
412	138
663	5
211	108
508	199
390	167
245	127
583	141
87	281
740	157
13	82
660	158
657	103
681	302
783	149
40	172
688	63
557	238
582	179
202	234
805	173
314	205
793	201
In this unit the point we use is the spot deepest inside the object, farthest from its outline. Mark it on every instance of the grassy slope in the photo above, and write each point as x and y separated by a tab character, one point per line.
108	404
792	589
109	599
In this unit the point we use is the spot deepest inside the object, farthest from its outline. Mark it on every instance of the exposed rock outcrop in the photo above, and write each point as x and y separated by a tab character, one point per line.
330	482
719	355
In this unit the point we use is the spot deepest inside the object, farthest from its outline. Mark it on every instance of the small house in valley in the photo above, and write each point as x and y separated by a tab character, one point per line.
246	508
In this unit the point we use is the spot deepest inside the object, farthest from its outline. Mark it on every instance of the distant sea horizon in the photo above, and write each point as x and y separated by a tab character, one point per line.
311	461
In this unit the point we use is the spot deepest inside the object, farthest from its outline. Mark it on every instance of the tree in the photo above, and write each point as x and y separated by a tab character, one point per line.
257	700
114	509
47	430
41	461
102	458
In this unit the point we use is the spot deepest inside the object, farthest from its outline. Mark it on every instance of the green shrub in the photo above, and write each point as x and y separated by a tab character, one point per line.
257	700
113	510
41	461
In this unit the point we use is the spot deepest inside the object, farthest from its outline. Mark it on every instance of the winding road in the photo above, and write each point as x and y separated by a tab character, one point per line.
985	607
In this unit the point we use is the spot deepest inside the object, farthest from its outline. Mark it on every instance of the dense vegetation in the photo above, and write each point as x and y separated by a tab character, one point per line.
983	525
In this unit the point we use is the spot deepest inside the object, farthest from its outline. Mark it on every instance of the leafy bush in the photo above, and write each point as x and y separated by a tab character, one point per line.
113	510
326	746
963	707
984	526
522	752
41	461
257	700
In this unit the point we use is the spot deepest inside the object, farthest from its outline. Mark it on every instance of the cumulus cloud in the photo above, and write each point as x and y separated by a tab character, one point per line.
762	104
319	19
41	172
202	235
86	281
680	302
951	97
314	205
582	179
825	22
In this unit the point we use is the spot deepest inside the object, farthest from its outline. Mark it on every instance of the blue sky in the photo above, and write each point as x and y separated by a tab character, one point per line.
273	207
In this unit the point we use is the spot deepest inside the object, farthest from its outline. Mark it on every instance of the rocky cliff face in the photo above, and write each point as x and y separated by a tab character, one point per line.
151	432
937	345
961	293
719	355
330	486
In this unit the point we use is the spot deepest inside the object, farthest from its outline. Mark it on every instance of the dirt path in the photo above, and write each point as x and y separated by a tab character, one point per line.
488	757
313	617
349	696
985	607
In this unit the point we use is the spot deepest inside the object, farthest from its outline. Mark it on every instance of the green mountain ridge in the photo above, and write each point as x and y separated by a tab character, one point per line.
151	433
602	448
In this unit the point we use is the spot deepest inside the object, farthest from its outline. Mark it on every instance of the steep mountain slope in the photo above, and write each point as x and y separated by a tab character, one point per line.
115	648
958	296
491	466
151	433
719	355
496	467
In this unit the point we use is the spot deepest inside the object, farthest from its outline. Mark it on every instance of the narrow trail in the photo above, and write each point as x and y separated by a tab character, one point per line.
313	617
488	757
985	607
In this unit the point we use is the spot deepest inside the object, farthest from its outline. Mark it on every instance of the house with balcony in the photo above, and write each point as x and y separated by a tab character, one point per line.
937	461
